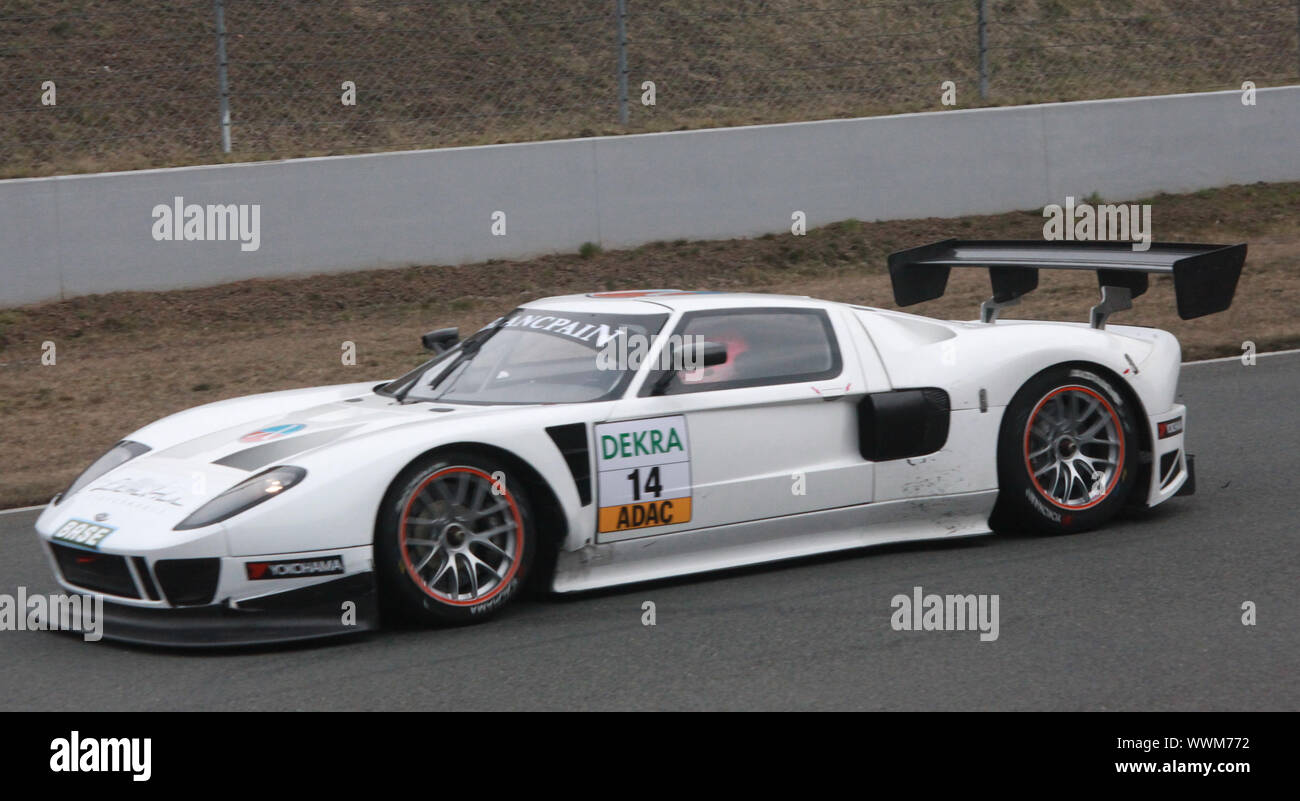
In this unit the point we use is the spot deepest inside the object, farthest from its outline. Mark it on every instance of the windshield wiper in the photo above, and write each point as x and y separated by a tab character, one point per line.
469	348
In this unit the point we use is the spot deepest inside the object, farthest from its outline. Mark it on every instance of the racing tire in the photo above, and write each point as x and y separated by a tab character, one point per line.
1068	453
455	540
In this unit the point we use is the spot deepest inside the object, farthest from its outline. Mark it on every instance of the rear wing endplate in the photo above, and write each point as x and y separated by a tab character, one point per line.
1205	276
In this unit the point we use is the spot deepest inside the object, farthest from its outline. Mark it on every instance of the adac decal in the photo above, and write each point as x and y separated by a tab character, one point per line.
272	432
295	568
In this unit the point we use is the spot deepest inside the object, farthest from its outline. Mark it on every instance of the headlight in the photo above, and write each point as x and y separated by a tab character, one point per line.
244	496
118	455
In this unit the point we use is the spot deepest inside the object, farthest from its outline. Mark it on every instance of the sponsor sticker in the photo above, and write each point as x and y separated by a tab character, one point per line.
82	533
295	568
1055	517
143	488
643	474
1171	428
272	432
594	330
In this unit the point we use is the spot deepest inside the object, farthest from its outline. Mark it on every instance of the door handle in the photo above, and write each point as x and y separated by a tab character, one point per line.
832	393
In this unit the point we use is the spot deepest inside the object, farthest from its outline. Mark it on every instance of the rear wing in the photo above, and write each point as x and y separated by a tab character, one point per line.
1205	276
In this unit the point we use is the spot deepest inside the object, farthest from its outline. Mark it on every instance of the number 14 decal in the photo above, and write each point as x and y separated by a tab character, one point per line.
652	486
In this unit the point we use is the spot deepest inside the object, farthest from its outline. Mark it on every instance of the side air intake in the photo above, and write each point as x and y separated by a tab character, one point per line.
571	439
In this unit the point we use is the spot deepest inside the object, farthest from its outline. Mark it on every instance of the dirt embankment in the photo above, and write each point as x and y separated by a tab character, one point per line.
127	358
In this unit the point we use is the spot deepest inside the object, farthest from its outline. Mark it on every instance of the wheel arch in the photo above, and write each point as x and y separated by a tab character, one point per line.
551	523
1128	393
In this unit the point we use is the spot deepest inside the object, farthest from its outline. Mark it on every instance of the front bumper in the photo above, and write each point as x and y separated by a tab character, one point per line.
157	598
1170	472
343	606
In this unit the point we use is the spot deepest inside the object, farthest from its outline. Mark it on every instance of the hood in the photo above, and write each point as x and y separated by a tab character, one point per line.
198	454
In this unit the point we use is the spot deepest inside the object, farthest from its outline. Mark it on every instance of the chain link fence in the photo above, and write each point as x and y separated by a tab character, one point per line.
102	85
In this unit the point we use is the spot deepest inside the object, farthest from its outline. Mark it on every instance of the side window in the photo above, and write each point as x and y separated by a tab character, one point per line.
764	346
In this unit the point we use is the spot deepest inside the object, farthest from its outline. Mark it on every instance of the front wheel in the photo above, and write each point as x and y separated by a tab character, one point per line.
455	540
1067	453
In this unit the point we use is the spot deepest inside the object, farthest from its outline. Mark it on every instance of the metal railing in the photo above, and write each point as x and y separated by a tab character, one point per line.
91	85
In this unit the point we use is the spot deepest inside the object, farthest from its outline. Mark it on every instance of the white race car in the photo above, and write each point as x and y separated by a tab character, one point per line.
593	440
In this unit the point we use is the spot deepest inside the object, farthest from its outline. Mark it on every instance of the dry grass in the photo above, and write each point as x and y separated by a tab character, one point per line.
127	358
137	81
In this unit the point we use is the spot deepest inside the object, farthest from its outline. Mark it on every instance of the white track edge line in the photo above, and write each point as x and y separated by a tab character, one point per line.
1222	359
21	509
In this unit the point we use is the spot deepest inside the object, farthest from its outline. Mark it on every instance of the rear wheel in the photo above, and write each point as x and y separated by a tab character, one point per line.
455	540
1067	453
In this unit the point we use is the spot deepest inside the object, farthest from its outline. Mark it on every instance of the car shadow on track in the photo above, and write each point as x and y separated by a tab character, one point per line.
317	644
539	601
1132	517
833	557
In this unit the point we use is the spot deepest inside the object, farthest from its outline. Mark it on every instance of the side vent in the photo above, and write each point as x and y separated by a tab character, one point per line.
571	439
1170	468
902	423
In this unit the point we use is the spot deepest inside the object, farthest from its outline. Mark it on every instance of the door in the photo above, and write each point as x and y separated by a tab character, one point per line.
771	431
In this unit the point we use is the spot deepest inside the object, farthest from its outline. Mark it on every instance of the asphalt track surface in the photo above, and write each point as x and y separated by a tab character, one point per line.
1145	614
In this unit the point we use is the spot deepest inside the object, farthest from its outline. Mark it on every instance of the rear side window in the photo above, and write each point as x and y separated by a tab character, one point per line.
764	346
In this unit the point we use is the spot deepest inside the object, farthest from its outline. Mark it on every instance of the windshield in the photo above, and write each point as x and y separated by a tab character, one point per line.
533	356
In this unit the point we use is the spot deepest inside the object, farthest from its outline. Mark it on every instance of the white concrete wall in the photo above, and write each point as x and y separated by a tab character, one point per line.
74	235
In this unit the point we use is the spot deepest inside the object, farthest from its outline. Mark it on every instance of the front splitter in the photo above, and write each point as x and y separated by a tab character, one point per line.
336	608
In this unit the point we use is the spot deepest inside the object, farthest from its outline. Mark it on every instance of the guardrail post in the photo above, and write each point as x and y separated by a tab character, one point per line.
620	11
982	24
223	82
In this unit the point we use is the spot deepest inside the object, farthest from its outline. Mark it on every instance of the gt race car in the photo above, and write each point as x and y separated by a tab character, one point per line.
539	452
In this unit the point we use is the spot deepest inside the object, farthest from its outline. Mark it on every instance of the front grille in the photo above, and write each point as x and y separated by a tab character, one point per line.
99	572
146	580
188	582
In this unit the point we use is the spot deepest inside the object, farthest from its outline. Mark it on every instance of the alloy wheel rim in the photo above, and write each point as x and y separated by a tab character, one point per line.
461	536
1074	447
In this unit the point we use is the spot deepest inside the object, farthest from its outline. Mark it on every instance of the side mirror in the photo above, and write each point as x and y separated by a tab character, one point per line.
442	340
704	354
690	356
